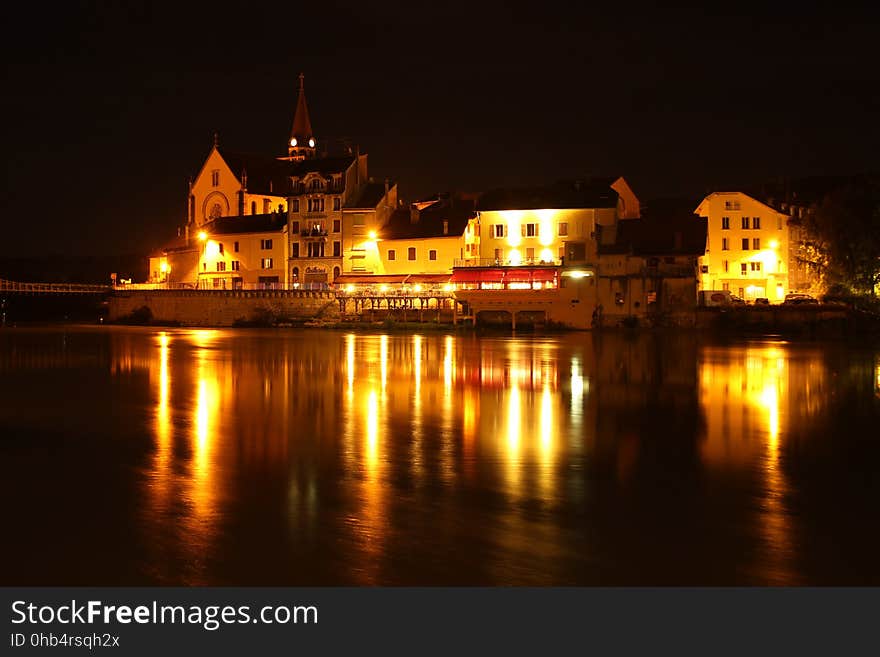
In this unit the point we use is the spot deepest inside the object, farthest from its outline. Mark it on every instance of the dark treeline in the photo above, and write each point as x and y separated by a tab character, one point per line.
55	268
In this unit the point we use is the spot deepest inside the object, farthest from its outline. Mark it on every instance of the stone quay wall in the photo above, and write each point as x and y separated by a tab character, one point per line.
222	307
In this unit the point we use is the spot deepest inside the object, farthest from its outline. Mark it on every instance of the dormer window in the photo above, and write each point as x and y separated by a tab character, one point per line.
316	185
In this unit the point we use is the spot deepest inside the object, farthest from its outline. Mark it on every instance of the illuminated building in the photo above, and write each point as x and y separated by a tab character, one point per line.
747	251
237	198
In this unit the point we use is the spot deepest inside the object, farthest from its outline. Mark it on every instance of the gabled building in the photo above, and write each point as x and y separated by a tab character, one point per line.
747	251
245	194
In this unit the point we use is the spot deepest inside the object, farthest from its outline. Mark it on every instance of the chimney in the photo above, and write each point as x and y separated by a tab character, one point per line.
413	214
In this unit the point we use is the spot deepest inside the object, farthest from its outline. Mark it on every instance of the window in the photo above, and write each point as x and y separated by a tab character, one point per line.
235	246
745	223
221	266
725	223
725	244
432	254
563	229
337	225
337	249
745	244
743	267
779	222
756	243
316	185
220	247
756	266
725	286
295	205
265	244
315	249
392	254
756	223
499	256
267	206
411	253
731	205
337	203
294	227
215	178
528	230
726	266
530	254
236	265
266	263
499	230
294	249
253	207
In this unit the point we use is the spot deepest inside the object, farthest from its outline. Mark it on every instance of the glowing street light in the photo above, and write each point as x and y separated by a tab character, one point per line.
203	235
372	235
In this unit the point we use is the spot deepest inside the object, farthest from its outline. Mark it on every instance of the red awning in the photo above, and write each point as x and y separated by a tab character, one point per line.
474	275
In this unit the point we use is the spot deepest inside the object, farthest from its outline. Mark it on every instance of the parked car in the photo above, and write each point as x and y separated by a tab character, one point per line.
737	300
762	301
798	299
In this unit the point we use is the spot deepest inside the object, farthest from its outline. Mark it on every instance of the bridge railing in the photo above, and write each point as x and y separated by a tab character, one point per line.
51	288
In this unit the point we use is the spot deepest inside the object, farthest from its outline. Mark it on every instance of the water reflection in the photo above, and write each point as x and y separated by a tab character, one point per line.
323	457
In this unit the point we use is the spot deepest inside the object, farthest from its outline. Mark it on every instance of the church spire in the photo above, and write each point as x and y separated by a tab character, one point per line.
302	140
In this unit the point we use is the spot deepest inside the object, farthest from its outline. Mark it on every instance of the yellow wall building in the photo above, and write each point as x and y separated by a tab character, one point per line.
747	250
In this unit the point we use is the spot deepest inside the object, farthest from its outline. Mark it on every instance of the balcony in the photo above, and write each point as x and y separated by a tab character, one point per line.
314	233
493	262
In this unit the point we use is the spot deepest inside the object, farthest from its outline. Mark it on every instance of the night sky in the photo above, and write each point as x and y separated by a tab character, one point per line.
109	109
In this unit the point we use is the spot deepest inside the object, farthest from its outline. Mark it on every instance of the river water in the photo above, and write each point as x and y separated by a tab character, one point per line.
311	457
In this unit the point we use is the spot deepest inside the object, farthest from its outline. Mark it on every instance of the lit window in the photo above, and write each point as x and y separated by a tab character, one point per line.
563	229
530	254
266	263
756	243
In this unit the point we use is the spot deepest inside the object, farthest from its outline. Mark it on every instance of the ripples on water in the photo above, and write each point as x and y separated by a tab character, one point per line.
138	456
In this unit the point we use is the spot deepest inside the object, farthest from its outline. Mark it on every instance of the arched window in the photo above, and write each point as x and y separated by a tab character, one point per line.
335	273
295	274
216	211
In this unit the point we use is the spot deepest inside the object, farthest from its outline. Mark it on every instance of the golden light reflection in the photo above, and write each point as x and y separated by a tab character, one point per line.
161	479
746	395
383	360
349	361
447	365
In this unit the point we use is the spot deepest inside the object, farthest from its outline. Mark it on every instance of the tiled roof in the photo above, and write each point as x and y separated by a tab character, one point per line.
323	165
649	237
430	221
250	223
595	193
265	174
369	195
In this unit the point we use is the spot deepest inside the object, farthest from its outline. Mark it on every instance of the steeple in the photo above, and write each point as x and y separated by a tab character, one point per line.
302	140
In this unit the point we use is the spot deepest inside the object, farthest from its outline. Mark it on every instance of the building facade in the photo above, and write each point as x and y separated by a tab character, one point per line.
747	250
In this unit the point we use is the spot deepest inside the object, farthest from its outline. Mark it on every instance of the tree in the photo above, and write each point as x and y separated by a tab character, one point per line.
844	244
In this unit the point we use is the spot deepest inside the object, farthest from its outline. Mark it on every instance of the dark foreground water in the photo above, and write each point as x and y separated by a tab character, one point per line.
145	456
